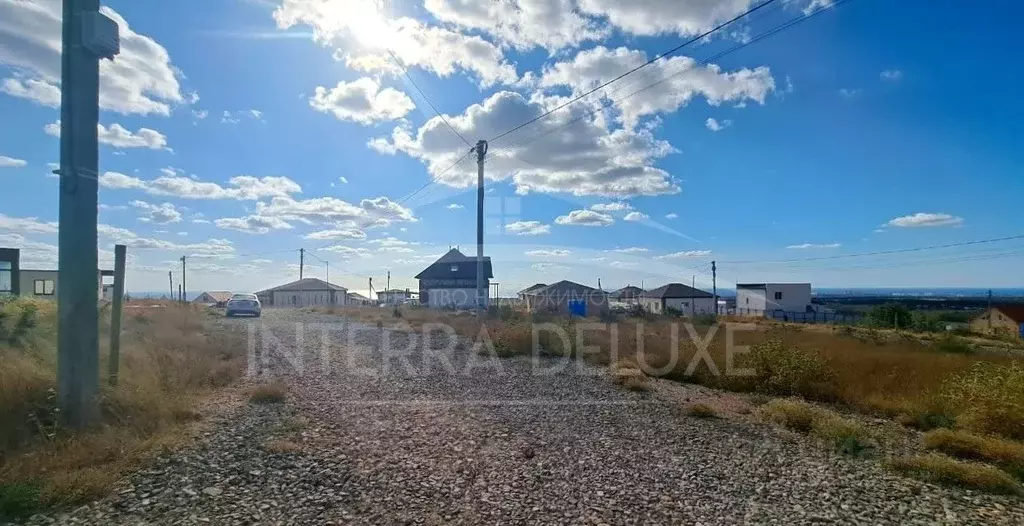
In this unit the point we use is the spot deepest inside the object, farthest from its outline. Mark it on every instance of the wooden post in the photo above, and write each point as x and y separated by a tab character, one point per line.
115	315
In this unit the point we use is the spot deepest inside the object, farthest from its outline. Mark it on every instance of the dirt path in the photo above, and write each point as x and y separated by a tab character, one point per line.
386	438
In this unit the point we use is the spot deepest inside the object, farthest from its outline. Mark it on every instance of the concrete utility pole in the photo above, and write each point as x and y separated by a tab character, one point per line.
481	151
693	301
302	265
990	310
184	291
86	36
115	315
714	285
388	298
330	291
170	281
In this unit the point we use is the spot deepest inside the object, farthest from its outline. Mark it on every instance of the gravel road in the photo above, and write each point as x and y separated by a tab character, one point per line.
395	438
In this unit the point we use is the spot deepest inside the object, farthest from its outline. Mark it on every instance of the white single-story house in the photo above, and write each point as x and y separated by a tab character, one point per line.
305	292
393	296
767	299
358	300
676	296
217	298
40	283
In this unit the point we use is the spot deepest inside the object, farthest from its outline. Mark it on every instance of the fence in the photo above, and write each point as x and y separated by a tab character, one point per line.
799	317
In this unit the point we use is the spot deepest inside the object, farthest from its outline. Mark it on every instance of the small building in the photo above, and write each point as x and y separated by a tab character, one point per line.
529	290
450	282
1005	318
685	299
39	283
629	295
567	297
393	296
355	299
772	299
305	292
217	298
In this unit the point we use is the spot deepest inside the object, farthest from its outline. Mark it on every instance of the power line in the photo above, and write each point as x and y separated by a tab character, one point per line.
405	70
878	253
766	34
641	66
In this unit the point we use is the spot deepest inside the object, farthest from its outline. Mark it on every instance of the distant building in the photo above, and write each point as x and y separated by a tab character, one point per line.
525	292
772	299
38	283
358	300
451	281
393	296
628	294
1004	318
304	293
217	298
567	297
676	296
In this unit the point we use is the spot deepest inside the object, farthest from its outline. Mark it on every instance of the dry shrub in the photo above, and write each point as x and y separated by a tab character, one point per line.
940	469
701	410
270	393
512	339
281	447
169	359
632	379
1003	453
989	398
845	435
785	370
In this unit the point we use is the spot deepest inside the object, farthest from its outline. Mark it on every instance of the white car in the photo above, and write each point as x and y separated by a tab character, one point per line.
244	304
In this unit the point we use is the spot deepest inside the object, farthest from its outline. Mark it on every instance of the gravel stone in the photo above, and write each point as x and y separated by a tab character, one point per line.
391	437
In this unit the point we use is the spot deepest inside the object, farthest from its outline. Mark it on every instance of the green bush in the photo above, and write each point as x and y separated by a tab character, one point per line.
787	371
953	345
988	398
18	318
18	500
890	316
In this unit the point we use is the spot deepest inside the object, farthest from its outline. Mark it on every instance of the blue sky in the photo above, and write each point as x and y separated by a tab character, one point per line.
237	131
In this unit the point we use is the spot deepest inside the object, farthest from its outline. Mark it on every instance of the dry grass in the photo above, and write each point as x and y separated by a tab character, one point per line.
270	393
169	360
845	435
988	398
630	377
281	447
940	469
701	410
1006	454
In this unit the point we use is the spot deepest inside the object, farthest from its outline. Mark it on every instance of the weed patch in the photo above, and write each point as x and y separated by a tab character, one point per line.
1003	453
989	398
844	435
272	393
940	469
700	410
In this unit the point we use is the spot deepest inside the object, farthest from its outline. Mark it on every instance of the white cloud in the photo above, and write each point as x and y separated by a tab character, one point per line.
684	255
631	250
335	234
200	114
213	248
255	114
585	218
813	246
379	211
161	214
636	216
349	252
391	242
343	180
578	154
682	77
655	17
622	264
362	40
891	75
120	137
242	187
716	125
557	252
141	80
254	224
11	162
527	228
612	207
671	215
454	206
228	118
549	267
36	90
849	93
362	101
922	219
551	24
27	225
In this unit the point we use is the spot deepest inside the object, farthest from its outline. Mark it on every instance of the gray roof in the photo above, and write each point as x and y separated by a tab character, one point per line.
532	288
675	290
628	291
566	287
305	284
218	295
465	267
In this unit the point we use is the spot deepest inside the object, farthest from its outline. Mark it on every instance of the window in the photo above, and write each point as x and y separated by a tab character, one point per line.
43	287
5	277
778	295
455	268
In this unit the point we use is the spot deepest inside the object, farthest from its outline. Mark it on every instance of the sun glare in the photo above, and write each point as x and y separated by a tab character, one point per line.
369	25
